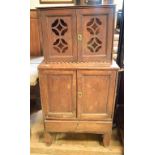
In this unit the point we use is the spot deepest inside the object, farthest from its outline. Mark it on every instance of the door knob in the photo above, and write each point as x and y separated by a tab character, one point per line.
79	37
80	94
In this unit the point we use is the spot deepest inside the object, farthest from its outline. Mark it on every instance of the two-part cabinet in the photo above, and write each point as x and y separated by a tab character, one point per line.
77	78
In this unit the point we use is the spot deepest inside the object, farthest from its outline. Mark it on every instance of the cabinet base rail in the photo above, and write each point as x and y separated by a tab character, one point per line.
97	127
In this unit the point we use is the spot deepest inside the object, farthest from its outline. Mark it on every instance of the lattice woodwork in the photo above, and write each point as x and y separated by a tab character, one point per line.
94	44
59	27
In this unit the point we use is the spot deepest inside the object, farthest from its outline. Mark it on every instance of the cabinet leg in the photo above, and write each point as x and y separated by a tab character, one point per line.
106	138
47	138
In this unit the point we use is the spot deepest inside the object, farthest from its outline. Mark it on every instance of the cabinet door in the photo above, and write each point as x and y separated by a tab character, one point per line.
96	91
58	93
95	28
58	34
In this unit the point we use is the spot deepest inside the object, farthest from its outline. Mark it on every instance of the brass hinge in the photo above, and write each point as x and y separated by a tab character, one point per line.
79	37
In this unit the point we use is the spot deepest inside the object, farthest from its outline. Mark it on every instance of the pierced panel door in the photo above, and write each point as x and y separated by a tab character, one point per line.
58	93
58	34
95	34
96	92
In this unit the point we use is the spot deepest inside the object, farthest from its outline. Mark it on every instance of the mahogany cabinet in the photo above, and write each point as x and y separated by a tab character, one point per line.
78	97
77	33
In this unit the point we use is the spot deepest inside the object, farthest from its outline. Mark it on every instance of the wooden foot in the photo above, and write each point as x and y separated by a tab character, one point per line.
47	138
106	139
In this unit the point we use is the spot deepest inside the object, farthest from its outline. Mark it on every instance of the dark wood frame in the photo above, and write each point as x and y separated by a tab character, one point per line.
119	110
56	2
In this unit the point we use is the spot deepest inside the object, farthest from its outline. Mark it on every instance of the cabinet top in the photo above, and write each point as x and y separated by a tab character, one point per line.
73	6
79	65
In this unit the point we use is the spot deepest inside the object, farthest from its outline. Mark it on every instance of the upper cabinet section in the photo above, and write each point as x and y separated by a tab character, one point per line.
58	34
77	34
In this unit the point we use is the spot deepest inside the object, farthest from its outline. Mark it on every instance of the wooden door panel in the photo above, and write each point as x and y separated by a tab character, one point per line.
58	93
96	26
59	31
95	94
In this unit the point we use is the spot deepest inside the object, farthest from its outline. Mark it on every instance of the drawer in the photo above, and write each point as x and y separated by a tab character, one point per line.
78	126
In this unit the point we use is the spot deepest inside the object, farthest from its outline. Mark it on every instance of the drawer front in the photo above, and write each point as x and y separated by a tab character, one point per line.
58	93
58	28
99	127
95	26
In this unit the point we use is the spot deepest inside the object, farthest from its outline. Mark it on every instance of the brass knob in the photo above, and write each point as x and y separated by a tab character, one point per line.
80	94
79	37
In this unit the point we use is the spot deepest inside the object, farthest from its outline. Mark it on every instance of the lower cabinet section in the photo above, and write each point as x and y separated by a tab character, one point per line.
77	99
